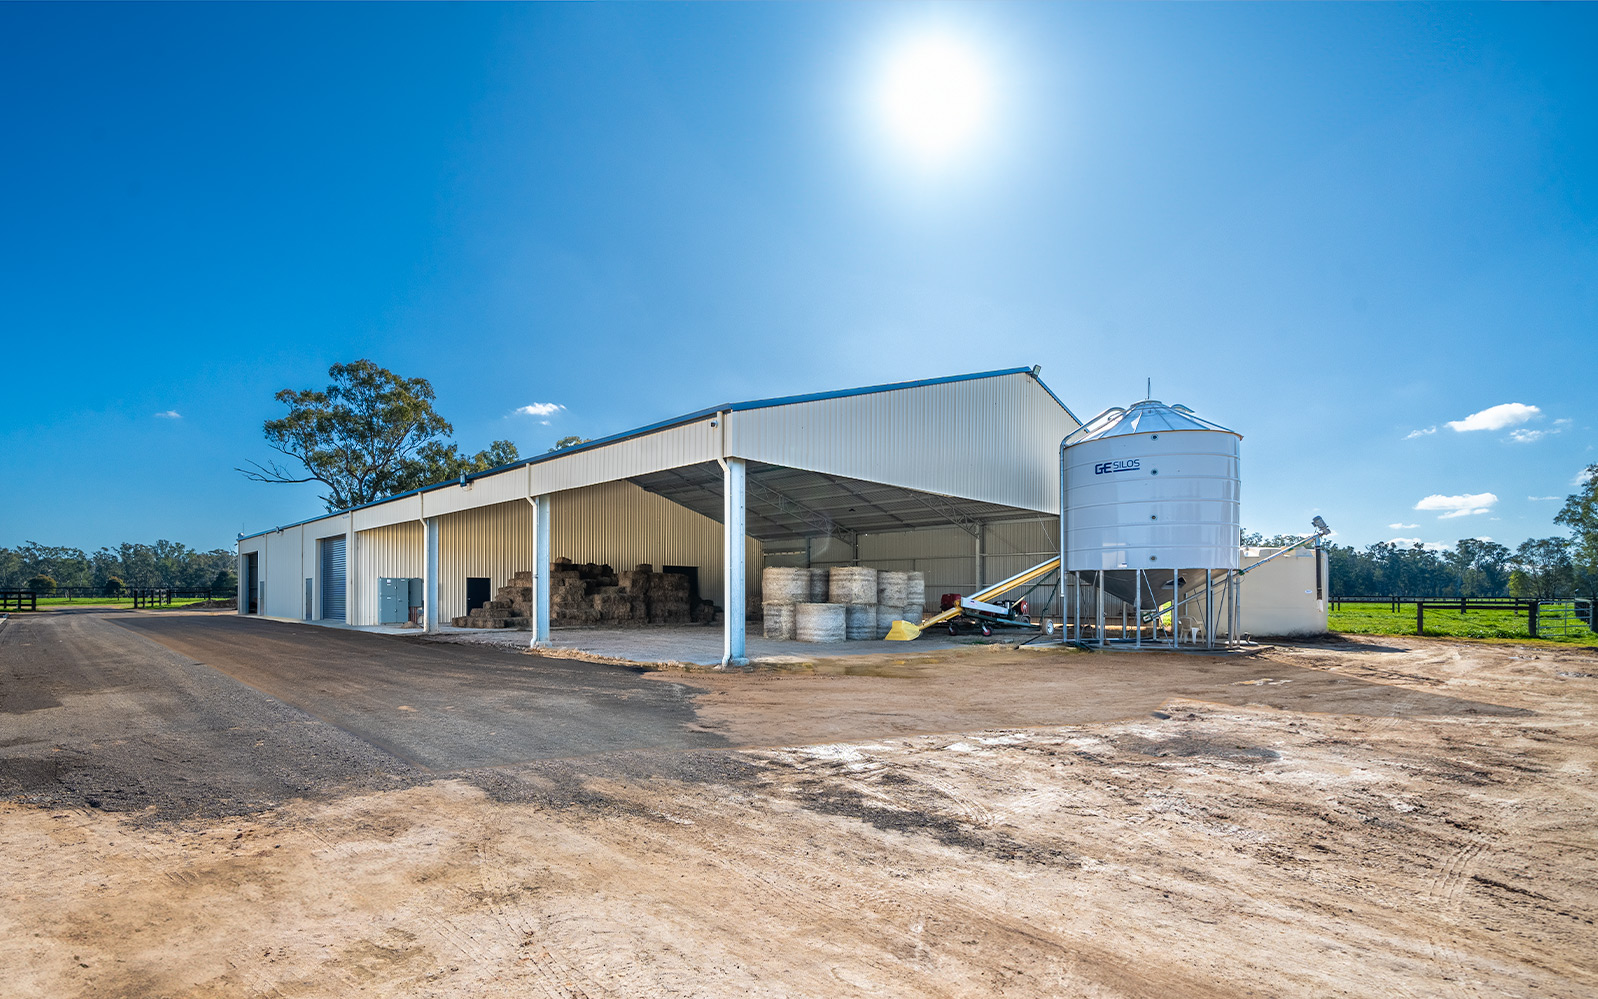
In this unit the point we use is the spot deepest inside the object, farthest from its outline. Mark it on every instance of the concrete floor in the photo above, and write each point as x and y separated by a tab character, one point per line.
700	645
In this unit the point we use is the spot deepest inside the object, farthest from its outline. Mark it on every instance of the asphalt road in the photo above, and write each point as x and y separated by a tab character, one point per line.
210	714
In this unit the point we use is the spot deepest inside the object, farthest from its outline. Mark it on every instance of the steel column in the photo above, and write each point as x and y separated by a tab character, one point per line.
541	569
734	569
430	578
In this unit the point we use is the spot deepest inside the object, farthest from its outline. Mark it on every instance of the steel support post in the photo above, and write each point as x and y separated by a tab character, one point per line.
1076	593
430	578
1098	607
1137	611
541	570
351	570
1209	608
733	567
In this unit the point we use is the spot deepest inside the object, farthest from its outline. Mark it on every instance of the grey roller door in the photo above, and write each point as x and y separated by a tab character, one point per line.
333	579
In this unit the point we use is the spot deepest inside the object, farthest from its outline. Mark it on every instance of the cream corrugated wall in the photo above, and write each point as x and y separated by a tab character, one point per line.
395	550
616	523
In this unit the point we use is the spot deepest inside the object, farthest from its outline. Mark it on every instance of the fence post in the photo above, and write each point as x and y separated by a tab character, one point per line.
1531	617
1420	617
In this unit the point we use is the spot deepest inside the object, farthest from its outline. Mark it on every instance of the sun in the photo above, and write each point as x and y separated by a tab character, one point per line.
934	98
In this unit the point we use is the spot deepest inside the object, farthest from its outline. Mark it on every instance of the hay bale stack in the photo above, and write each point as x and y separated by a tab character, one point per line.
668	598
780	585
914	613
818	622
589	593
779	621
850	584
860	622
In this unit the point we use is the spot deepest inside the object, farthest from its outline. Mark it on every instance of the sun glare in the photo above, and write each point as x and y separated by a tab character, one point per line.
934	98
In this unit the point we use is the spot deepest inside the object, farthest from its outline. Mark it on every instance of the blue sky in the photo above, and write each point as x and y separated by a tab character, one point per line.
1332	228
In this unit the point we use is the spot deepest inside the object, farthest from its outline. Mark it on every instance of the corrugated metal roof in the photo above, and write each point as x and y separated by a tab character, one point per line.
1148	416
701	414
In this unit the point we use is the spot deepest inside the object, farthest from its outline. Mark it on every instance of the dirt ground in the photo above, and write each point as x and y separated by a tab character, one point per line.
1393	817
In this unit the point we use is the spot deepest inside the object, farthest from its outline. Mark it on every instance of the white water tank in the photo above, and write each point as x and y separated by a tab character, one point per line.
1151	486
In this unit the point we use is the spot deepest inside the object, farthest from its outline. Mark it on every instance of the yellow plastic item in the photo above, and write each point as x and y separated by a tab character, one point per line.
903	631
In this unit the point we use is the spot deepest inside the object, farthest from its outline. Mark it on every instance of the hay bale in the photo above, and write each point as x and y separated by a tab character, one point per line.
779	585
820	584
860	622
915	588
886	615
851	584
779	621
818	622
891	587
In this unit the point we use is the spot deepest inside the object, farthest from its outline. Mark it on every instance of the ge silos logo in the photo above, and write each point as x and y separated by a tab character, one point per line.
1119	465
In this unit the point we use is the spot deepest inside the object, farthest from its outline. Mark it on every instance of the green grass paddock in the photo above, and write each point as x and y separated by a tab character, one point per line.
1379	619
46	602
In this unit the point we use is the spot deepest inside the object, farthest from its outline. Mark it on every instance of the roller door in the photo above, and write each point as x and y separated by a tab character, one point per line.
333	576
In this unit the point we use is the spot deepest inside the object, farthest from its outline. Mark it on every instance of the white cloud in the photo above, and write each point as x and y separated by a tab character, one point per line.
1435	546
1543	499
1496	417
1419	433
1458	506
1402	527
541	409
1583	477
1524	436
170	414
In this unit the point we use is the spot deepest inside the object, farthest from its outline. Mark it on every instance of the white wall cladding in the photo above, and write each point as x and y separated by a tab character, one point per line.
395	550
500	488
992	439
614	523
395	511
673	447
283	574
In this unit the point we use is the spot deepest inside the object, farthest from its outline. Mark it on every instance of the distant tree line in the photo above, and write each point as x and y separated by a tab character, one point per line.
1537	569
110	570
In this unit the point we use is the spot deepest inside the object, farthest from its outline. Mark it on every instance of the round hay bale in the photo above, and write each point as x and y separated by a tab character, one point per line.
820	583
851	584
785	586
914	613
891	587
779	621
886	615
915	588
860	622
818	622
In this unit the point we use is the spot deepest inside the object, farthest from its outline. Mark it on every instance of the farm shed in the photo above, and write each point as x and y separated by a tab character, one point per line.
955	477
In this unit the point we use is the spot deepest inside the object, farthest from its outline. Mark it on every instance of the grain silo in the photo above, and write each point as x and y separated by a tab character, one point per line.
1150	517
